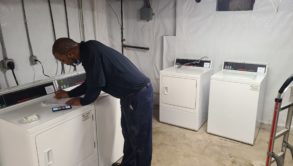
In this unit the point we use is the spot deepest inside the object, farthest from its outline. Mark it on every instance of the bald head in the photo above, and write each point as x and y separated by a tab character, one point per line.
63	45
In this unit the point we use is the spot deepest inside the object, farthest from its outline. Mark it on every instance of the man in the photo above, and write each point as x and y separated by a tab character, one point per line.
109	71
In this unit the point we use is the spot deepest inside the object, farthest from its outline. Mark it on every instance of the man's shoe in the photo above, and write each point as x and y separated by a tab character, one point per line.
116	164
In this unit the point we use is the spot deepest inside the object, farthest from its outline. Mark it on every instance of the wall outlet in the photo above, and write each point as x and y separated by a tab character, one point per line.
7	64
33	60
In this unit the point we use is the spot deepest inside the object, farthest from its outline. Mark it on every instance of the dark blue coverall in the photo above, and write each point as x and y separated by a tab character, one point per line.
109	71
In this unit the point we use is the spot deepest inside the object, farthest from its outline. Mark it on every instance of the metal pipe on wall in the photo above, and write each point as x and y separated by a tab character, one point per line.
6	63
94	18
122	27
66	18
26	29
81	21
67	25
54	36
4	53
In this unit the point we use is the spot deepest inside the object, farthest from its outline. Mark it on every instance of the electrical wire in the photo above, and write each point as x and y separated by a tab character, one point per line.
54	33
276	5
54	37
57	67
203	57
4	53
16	81
62	68
118	21
52	20
81	20
147	3
34	78
66	17
11	64
26	29
69	70
122	27
193	62
117	17
43	71
94	18
67	26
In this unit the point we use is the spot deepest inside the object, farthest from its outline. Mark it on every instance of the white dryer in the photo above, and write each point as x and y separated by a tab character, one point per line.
109	132
236	101
32	135
184	95
108	114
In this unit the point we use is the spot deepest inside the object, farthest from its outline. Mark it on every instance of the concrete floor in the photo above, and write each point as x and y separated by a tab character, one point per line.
174	146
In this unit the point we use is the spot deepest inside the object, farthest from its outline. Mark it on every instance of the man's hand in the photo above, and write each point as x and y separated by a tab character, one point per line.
61	94
74	101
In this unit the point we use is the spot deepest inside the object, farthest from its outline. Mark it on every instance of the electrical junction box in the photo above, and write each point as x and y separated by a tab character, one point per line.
146	13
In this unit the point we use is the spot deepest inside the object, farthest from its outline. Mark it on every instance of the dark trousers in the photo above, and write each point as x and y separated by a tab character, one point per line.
136	123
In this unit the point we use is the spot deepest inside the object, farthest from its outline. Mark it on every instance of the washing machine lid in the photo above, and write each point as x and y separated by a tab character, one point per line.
185	71
239	77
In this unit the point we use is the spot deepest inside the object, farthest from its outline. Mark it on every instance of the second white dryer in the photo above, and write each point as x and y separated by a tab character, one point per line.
184	96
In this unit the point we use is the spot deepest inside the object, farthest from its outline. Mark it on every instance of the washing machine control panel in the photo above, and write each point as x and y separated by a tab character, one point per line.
248	67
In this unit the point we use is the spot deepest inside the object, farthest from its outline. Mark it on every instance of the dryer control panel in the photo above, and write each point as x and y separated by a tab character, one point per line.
2	102
193	63
248	67
26	94
70	81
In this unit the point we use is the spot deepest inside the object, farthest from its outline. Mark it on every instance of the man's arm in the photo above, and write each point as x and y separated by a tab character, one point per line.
95	79
78	91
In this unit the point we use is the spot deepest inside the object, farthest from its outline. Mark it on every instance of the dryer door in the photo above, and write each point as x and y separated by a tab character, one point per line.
69	143
178	91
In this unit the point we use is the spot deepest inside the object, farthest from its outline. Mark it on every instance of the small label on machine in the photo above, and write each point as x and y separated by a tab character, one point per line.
49	89
261	70
206	65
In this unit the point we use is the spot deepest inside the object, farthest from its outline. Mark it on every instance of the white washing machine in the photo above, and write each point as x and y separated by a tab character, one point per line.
184	95
32	135
236	101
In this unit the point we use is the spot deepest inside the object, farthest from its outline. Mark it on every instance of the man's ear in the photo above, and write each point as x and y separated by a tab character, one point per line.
57	55
72	53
